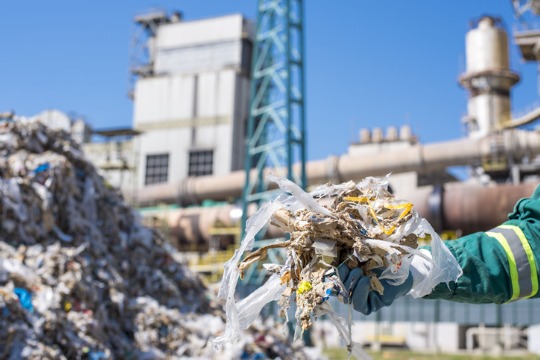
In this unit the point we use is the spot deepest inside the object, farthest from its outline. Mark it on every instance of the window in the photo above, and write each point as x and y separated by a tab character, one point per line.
201	162
157	169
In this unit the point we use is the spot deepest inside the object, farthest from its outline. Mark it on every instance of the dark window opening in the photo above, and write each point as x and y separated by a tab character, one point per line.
157	169
201	162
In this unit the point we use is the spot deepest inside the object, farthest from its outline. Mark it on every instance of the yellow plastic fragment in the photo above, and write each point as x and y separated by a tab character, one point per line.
362	199
303	287
407	207
67	306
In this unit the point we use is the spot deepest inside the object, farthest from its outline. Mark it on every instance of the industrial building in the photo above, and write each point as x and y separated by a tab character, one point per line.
191	101
190	111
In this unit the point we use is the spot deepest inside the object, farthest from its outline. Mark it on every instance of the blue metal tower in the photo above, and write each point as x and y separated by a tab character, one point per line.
276	128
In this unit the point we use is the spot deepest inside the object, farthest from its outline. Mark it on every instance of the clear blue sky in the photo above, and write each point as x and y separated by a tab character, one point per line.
369	63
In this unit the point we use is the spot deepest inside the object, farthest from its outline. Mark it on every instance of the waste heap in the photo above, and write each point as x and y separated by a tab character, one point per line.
81	278
360	225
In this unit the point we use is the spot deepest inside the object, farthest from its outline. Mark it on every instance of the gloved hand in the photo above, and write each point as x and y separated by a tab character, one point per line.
366	301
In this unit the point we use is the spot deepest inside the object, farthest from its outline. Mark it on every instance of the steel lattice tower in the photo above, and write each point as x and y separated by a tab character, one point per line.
276	127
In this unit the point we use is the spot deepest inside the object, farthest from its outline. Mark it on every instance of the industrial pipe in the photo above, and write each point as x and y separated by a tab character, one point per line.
468	207
524	120
515	144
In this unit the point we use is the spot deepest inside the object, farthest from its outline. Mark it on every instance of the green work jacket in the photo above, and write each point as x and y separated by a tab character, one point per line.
499	265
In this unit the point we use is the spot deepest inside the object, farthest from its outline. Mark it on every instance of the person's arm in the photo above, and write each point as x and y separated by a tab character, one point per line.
499	265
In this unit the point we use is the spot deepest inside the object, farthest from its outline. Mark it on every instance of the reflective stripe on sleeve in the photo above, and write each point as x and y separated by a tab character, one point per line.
530	256
514	277
521	261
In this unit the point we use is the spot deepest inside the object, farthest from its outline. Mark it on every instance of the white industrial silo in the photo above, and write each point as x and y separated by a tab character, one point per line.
488	77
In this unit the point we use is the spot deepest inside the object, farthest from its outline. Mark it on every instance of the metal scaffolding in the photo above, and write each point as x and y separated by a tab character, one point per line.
141	52
276	127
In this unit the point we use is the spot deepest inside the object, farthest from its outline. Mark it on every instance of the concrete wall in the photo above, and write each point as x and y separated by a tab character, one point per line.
162	99
202	45
184	100
194	33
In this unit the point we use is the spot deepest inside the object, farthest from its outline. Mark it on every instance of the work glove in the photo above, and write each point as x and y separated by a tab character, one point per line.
365	300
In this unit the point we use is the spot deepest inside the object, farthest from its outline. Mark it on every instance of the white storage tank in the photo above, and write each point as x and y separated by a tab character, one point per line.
488	77
487	46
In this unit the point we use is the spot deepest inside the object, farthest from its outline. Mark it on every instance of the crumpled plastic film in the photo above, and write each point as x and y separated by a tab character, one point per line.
360	225
82	278
248	309
254	224
300	195
231	273
445	267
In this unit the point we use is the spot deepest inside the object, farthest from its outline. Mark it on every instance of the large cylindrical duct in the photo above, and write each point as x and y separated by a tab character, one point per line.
474	208
488	77
515	144
468	207
192	228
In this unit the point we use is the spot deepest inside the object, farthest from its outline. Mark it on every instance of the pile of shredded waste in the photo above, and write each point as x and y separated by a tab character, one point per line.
360	225
81	278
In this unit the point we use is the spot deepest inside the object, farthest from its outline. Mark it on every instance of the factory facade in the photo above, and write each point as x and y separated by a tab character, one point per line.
191	107
191	101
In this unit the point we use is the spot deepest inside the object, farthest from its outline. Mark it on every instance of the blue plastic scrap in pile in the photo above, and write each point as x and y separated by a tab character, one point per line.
97	355
41	168
94	355
25	298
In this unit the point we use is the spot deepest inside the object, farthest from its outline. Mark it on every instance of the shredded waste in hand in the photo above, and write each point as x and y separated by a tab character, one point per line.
81	278
360	225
